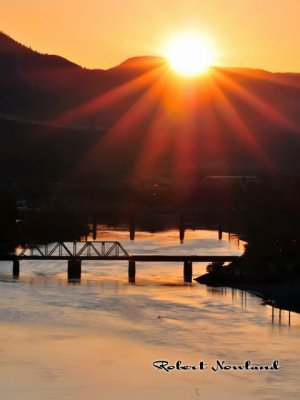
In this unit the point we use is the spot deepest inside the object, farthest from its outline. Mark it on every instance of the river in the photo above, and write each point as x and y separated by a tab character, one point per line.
99	338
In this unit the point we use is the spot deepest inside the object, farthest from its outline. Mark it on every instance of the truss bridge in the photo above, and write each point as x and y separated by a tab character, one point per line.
76	252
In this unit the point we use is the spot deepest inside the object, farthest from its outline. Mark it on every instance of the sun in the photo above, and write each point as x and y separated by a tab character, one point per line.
189	55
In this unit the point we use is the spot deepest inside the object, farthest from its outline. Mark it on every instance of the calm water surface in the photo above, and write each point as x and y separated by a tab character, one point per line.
98	338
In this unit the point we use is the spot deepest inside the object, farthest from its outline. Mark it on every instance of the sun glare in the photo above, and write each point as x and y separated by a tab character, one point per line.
189	55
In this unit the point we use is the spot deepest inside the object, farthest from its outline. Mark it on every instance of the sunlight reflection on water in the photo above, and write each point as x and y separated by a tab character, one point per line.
159	315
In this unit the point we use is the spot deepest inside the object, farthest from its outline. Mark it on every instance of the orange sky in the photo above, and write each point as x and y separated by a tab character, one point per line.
102	33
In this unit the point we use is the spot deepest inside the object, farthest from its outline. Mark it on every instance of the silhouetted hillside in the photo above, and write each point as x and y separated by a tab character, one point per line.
42	86
231	119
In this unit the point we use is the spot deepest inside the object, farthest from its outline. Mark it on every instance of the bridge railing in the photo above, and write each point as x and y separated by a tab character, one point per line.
72	249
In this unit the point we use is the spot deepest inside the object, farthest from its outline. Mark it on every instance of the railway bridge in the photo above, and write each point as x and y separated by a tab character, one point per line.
76	252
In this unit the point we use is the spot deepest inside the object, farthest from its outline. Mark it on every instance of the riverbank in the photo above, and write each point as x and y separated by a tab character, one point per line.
283	295
276	282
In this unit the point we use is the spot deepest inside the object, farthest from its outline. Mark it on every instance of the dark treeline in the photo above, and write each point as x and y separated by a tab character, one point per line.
270	218
263	210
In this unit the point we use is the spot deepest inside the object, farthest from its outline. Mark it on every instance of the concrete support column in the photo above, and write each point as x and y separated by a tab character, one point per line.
220	229
188	271
74	269
220	234
132	226
16	268
131	271
181	228
94	230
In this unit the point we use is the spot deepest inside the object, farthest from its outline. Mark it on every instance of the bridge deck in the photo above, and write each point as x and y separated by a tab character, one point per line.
77	252
98	250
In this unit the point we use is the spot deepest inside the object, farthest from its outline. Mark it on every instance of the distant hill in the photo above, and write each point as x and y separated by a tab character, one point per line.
242	117
42	86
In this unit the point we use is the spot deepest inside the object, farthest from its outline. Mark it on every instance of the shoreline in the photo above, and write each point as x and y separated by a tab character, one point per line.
283	295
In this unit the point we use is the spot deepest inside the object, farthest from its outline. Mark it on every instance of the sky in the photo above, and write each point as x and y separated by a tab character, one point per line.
103	33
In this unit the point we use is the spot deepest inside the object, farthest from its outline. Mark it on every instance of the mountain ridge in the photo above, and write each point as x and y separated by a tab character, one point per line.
242	115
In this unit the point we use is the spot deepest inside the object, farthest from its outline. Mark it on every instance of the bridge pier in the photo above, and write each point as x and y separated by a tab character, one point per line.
74	269
188	271
181	228
132	226
131	271
94	230
220	229
16	268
